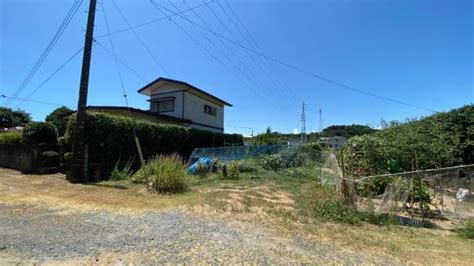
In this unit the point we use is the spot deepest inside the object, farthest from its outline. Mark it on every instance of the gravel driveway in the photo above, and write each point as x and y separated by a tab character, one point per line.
38	234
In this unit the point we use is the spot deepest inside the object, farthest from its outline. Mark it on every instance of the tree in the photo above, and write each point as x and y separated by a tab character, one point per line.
347	131
10	118
60	117
268	138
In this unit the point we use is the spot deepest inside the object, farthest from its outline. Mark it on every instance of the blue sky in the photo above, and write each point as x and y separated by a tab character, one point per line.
420	52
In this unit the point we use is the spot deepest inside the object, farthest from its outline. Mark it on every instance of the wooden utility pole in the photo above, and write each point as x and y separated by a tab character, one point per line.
79	171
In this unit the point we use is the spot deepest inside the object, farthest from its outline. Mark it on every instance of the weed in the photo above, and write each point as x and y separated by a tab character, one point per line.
326	205
165	173
467	231
122	174
234	170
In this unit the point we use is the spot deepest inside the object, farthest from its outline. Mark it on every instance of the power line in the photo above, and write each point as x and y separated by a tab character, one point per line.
223	43
138	75
140	39
261	66
44	55
255	46
31	101
305	71
154	21
160	8
137	141
50	77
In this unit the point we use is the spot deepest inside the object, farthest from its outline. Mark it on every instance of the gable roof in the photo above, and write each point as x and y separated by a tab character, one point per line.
145	90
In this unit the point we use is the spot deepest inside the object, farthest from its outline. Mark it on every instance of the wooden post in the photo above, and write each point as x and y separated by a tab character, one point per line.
78	157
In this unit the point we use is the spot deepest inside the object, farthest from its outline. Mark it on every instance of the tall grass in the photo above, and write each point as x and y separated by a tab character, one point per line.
122	174
165	173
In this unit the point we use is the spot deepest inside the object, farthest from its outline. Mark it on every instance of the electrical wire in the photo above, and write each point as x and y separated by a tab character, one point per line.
140	39
159	8
155	20
261	66
235	65
31	101
50	77
44	55
255	46
297	69
138	75
137	141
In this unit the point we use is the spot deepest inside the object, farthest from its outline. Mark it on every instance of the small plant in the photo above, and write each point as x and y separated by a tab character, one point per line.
224	171
122	174
467	231
326	205
10	138
272	162
165	173
234	170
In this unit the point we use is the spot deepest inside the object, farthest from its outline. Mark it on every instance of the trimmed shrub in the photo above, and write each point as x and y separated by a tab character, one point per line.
110	137
165	173
39	132
10	137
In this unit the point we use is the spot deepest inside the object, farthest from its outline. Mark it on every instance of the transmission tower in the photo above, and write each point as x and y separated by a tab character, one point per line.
303	123
320	120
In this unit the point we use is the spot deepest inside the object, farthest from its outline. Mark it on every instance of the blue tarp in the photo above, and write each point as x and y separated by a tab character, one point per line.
203	162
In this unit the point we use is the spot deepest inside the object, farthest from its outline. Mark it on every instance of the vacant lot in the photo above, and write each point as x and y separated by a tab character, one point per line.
46	219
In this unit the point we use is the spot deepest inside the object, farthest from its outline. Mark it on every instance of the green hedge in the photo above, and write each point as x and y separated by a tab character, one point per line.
110	137
10	137
39	132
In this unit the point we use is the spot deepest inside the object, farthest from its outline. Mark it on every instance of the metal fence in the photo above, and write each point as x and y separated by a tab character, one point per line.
444	193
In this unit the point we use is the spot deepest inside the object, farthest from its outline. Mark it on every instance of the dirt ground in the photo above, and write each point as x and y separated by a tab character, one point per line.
45	219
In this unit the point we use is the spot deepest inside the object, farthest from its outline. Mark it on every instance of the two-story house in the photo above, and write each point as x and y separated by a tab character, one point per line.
177	102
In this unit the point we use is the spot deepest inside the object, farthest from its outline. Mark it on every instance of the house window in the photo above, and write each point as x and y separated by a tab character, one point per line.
210	110
165	105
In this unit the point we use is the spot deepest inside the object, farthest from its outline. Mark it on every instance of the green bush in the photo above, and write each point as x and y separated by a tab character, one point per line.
121	174
245	166
110	137
10	137
467	231
39	132
272	162
325	204
165	173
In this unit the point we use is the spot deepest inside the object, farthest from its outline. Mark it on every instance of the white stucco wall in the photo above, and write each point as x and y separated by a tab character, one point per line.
170	91
194	110
189	104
